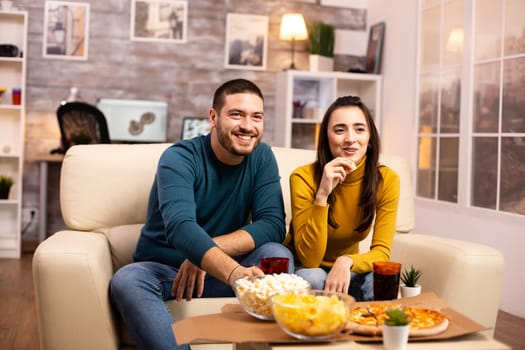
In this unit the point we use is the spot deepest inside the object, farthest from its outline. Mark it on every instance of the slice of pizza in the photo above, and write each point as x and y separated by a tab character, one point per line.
369	319
426	322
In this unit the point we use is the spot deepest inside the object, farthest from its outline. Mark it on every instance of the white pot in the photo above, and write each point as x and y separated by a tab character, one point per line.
410	291
395	337
320	63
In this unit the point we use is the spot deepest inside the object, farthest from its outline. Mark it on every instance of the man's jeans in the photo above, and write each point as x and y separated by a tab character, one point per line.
138	292
361	285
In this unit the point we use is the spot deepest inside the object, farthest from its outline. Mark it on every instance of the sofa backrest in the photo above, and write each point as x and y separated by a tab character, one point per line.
108	185
289	159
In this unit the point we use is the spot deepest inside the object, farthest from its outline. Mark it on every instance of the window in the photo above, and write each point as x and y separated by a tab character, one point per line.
441	49
487	123
498	121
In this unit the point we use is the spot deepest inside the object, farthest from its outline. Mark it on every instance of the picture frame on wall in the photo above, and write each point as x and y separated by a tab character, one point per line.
246	43
375	48
351	4
194	126
159	20
66	30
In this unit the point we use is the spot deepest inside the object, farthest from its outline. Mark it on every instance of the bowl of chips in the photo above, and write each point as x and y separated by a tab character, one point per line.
254	293
311	314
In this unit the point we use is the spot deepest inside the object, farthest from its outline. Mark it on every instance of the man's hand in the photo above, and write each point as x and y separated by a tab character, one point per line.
188	276
242	271
338	279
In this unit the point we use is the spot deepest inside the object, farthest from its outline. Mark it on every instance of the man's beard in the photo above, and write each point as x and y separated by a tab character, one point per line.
225	139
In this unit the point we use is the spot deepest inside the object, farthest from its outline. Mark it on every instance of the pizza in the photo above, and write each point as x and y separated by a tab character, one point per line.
369	319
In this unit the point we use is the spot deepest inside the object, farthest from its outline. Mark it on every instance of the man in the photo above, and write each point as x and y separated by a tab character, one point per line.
215	209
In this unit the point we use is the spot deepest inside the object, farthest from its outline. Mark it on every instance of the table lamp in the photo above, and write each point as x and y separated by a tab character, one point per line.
293	28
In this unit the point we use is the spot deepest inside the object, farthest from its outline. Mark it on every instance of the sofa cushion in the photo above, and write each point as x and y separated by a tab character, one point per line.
106	185
122	241
405	212
288	160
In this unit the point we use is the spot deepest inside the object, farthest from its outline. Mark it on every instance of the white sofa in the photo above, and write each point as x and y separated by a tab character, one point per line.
104	191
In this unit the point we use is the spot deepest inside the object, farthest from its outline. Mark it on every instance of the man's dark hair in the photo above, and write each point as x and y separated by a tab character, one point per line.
235	86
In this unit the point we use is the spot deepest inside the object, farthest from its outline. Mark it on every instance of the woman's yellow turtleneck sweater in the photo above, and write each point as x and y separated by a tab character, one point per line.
316	244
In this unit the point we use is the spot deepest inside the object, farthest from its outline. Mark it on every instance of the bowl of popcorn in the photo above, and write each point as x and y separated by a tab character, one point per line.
254	293
311	314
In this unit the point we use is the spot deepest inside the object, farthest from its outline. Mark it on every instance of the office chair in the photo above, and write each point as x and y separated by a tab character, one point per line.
81	123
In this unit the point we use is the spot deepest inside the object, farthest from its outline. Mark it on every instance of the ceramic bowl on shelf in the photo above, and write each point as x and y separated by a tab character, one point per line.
312	315
254	293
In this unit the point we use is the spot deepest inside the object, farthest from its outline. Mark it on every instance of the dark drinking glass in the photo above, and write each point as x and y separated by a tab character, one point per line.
274	265
386	280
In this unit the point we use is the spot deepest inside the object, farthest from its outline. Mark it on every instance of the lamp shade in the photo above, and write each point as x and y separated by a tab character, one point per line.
293	27
455	40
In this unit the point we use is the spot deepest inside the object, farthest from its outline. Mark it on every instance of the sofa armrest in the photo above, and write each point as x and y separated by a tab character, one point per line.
71	274
467	276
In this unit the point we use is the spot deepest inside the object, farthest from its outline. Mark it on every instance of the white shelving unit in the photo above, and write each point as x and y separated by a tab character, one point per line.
13	31
315	91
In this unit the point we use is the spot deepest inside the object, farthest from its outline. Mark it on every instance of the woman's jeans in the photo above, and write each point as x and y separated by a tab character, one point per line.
361	285
138	292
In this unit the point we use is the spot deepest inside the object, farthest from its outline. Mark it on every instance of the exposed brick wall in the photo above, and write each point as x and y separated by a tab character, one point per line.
184	75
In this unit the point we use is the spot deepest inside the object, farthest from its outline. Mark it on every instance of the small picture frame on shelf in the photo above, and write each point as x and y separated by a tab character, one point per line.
159	20
375	48
194	126
246	43
66	30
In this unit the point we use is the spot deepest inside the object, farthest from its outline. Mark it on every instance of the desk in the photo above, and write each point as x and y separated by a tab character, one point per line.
44	160
474	341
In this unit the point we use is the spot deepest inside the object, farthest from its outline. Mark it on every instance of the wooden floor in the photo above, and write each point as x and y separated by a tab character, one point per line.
18	328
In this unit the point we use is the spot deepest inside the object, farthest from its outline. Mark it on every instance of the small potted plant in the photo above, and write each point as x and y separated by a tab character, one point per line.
5	185
396	329
321	37
409	279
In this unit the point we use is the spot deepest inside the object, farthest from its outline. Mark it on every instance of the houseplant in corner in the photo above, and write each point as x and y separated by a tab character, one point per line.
396	329
321	37
409	279
5	185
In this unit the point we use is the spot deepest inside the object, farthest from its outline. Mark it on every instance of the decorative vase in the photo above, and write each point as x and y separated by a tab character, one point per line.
410	291
320	63
395	337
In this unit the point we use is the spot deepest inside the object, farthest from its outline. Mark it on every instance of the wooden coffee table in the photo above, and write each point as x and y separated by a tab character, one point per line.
468	342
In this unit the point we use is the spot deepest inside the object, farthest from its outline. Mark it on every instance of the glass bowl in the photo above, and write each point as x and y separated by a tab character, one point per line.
254	293
312	314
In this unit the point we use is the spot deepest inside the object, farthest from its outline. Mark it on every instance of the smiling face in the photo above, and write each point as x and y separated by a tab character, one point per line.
237	128
348	133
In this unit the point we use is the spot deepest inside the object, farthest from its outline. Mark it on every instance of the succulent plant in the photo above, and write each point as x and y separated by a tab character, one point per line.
5	181
321	37
5	185
411	277
396	317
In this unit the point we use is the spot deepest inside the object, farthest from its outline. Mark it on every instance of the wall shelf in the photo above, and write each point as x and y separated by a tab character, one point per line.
297	127
13	30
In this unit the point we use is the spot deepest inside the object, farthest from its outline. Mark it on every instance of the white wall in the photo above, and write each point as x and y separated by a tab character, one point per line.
503	232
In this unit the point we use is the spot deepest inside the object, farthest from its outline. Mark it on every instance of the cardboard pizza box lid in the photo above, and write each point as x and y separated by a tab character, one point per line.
234	325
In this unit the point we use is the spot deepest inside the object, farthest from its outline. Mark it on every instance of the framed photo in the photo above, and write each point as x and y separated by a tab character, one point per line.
66	30
159	20
194	126
375	48
246	41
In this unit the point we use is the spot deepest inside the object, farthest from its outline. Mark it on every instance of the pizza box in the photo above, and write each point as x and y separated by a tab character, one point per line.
234	325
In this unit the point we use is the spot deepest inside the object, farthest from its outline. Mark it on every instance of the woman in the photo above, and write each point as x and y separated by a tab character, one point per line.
341	198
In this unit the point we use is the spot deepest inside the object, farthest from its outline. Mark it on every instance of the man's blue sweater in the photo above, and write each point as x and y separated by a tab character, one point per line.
195	197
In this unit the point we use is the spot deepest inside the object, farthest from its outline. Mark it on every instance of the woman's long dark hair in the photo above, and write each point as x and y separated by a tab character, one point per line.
372	178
